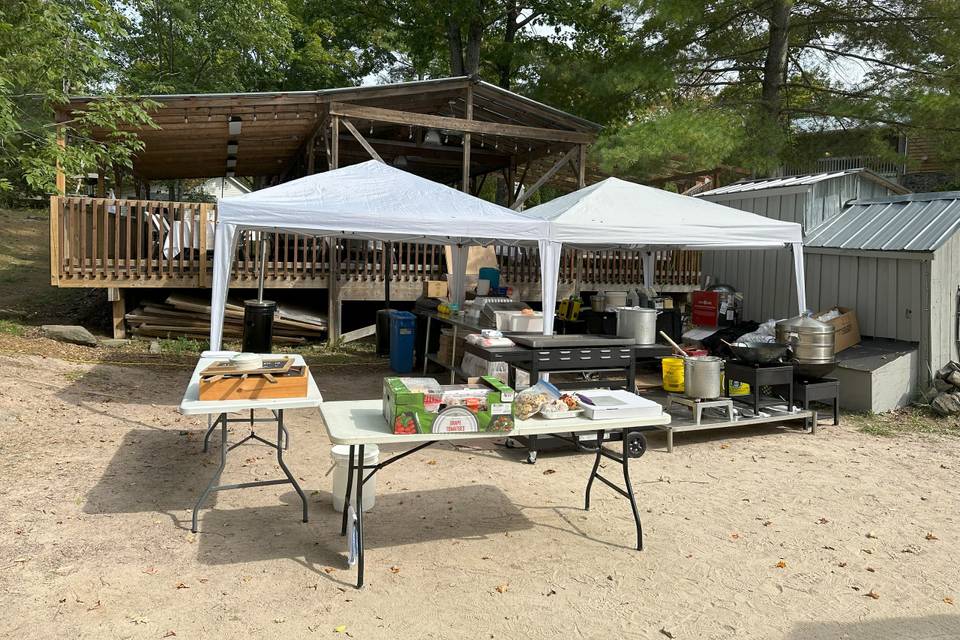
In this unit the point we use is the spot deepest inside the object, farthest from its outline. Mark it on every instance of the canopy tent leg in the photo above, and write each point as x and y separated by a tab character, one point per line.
549	276
458	270
648	267
226	244
797	248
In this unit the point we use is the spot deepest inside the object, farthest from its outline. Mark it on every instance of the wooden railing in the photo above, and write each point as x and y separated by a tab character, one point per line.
599	269
102	242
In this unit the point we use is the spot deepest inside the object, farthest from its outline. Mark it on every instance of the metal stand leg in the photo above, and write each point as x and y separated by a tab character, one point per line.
211	425
836	411
669	439
532	449
222	420
346	498
281	439
359	511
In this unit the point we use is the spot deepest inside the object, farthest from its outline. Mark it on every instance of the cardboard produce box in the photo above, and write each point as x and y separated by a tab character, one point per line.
423	405
847	329
435	289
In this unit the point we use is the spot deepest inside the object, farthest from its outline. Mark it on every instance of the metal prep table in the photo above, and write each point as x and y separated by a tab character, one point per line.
191	405
360	423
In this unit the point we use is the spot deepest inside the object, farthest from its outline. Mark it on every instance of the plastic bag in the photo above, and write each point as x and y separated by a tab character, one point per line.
529	401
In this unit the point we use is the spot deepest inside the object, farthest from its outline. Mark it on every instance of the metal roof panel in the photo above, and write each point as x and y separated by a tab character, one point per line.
915	222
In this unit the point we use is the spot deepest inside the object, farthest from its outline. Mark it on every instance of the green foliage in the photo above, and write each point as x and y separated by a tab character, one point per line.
48	50
685	139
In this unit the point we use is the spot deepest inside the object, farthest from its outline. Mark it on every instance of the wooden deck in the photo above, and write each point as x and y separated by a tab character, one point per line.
116	243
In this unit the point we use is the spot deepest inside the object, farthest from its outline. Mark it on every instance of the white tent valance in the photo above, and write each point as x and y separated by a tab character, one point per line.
615	213
369	200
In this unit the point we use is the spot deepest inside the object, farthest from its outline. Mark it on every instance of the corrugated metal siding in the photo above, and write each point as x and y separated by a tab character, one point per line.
886	293
944	280
765	277
907	223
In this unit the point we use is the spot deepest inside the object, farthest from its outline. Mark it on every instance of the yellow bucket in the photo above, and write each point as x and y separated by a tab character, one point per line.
672	374
737	388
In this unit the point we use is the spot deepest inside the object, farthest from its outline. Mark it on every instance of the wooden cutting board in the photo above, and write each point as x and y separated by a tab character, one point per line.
291	383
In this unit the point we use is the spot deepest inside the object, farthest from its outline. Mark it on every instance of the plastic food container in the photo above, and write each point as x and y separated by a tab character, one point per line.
559	415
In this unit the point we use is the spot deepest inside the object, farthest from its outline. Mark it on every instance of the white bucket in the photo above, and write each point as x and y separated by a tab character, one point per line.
340	454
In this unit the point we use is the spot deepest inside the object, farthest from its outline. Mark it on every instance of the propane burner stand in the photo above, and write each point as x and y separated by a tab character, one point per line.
757	376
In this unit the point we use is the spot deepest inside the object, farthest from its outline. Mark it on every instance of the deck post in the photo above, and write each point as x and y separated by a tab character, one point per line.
465	178
119	306
333	294
55	225
582	167
202	228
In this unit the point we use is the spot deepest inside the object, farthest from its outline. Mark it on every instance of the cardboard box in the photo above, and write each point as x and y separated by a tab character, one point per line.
435	289
848	331
422	405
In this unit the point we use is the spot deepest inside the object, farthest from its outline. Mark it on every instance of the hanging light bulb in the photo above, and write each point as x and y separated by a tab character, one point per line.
446	138
410	137
185	119
371	127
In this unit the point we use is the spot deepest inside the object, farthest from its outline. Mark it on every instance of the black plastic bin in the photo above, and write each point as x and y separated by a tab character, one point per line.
258	325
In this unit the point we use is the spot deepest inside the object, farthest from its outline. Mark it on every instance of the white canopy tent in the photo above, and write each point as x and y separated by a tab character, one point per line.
375	201
616	213
370	200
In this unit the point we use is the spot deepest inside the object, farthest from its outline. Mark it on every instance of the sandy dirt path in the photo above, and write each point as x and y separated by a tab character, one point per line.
761	533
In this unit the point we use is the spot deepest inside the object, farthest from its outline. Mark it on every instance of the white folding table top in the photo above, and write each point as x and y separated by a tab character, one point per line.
361	422
192	405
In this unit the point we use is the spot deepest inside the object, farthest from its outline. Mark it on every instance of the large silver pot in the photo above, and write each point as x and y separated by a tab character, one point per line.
701	377
811	341
637	323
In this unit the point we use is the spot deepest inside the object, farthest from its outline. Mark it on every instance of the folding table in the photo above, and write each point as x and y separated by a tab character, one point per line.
360	423
191	405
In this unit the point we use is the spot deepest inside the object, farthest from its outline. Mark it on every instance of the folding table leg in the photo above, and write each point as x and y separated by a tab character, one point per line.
222	420
346	499
593	472
281	431
626	480
359	511
211	425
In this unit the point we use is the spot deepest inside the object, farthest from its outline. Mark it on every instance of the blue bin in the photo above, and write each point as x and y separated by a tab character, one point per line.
403	336
492	274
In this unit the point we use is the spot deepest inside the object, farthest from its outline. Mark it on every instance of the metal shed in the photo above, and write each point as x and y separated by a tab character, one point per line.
809	200
896	261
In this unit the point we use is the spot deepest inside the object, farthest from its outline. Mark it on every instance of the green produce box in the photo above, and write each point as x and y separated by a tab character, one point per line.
423	405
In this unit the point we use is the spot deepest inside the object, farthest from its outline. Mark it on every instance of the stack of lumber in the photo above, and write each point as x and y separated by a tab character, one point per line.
181	315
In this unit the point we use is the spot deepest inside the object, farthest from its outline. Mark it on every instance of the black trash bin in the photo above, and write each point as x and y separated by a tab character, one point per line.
258	325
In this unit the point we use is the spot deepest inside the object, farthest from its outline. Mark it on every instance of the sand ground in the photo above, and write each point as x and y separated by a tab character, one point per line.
760	533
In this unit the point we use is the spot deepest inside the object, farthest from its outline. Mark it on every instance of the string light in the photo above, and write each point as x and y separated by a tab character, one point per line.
410	137
371	127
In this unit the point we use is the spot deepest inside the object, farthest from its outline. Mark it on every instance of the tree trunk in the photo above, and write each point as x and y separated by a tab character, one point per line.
509	37
455	45
474	37
774	69
774	74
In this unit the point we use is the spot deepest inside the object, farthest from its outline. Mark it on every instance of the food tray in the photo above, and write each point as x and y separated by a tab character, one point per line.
559	415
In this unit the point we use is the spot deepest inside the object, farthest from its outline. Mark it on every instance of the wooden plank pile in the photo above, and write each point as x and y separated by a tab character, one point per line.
181	315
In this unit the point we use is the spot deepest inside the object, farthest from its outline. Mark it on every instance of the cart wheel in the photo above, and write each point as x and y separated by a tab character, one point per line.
531	457
510	443
634	444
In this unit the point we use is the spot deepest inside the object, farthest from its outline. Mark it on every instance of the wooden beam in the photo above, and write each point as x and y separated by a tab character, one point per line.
61	176
335	142
202	223
568	156
358	334
458	124
363	143
582	167
465	175
311	148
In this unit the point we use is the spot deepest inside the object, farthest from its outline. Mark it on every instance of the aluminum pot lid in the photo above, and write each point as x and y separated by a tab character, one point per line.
806	324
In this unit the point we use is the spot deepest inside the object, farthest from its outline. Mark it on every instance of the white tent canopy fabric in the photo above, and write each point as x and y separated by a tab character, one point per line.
375	201
369	200
615	213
